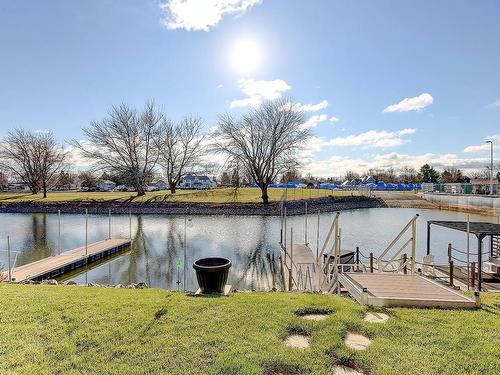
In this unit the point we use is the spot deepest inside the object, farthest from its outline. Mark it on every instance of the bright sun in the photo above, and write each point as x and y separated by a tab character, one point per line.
245	56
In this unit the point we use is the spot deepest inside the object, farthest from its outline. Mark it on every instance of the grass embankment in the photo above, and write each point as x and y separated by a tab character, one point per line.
55	329
220	195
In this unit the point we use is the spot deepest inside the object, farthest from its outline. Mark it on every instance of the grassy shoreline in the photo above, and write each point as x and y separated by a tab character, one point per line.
72	329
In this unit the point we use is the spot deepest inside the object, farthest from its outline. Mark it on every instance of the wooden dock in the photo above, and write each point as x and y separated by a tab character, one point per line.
303	270
376	289
68	261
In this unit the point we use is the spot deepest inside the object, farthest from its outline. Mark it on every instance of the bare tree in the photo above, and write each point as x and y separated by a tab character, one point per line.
126	143
181	148
33	157
265	142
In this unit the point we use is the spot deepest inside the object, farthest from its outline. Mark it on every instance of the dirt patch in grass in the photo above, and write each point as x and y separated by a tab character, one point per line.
281	368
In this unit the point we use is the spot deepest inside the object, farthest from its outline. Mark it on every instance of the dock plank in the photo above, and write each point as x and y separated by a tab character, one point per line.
43	266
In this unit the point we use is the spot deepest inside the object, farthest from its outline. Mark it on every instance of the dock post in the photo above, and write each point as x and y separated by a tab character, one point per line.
290	271
357	258
185	252
109	224
477	298
371	262
130	225
405	259
449	252
451	273
8	252
59	231
317	241
86	233
305	229
473	275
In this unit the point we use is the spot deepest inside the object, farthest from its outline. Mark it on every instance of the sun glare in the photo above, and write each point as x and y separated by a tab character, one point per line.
245	56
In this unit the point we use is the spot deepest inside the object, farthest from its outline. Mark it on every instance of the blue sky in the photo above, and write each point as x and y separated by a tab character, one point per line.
64	63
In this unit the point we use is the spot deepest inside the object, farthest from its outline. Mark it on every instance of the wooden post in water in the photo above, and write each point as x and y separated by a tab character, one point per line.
109	224
473	275
59	231
8	254
86	233
305	224
130	225
451	273
371	262
290	271
317	241
185	251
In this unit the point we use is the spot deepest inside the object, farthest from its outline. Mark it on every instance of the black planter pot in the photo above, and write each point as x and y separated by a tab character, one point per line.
212	274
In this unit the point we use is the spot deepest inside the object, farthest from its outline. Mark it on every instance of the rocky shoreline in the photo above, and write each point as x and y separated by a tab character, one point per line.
327	204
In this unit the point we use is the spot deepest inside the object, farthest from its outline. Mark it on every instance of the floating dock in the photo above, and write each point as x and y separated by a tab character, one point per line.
390	290
68	261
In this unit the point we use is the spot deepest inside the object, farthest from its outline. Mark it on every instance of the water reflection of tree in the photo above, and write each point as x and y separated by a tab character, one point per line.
261	266
154	263
35	245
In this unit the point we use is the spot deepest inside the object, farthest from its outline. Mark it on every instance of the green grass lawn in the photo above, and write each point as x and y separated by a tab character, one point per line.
73	330
220	195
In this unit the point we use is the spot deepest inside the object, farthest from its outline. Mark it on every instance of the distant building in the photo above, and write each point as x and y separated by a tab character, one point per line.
107	186
20	186
196	181
157	186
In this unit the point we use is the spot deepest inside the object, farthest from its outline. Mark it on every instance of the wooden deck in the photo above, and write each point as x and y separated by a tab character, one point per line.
402	290
67	261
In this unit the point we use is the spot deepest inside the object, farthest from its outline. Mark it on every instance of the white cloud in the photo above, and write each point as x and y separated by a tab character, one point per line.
373	139
219	86
477	148
416	103
334	119
485	146
311	107
257	91
201	14
313	121
496	103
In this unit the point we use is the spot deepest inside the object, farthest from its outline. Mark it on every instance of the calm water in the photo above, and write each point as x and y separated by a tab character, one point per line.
250	242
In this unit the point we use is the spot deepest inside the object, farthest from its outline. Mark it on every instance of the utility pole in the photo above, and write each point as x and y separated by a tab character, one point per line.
491	166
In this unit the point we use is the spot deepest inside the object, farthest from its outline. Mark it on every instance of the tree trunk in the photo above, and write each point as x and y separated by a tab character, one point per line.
140	191
265	197
44	185
172	187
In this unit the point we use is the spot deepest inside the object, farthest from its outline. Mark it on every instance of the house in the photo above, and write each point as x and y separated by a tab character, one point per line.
160	185
482	186
107	185
195	181
157	186
19	185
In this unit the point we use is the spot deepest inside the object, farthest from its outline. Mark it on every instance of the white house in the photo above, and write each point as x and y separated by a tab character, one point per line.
107	186
195	181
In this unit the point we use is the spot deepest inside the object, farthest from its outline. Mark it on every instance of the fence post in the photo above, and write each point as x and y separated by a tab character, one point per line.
371	262
8	252
473	275
451	273
449	252
405	259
